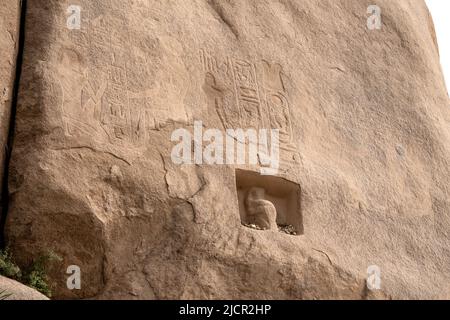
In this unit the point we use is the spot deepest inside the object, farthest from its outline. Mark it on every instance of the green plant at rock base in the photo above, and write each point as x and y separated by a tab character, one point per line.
7	266
35	276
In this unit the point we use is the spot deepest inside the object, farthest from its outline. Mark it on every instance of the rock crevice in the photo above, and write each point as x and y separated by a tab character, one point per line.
13	18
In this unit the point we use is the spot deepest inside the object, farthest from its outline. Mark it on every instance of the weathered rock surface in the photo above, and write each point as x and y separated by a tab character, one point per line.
16	291
364	118
9	28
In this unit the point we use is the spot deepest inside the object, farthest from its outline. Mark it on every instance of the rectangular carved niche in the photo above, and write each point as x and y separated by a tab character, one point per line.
269	202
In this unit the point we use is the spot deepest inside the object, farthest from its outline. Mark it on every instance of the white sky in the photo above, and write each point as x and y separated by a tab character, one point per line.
440	10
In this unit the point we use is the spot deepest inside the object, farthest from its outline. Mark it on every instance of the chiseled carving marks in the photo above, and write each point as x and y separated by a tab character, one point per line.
249	95
118	83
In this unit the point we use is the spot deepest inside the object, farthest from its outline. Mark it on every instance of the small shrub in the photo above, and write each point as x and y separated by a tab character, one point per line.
35	276
7	266
38	280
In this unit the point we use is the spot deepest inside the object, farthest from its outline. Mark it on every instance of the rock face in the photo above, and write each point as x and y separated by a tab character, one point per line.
17	291
9	27
363	118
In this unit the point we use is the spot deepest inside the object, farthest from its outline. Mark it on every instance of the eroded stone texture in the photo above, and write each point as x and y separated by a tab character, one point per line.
9	32
364	127
13	290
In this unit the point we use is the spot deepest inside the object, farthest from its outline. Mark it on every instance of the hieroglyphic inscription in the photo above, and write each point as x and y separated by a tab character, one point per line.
249	95
278	108
220	88
238	78
116	75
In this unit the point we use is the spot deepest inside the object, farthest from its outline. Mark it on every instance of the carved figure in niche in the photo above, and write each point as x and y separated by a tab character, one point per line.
259	210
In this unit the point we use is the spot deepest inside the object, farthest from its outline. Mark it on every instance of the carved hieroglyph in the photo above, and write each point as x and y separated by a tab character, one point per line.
115	90
250	96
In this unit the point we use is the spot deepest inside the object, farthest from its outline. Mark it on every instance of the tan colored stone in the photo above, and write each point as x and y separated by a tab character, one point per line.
13	290
9	34
364	125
